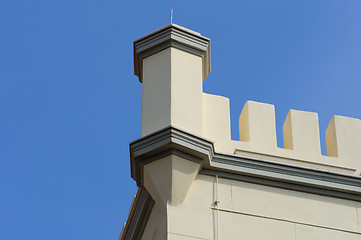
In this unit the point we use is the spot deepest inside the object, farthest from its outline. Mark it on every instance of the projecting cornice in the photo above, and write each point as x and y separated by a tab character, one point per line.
174	141
166	142
175	36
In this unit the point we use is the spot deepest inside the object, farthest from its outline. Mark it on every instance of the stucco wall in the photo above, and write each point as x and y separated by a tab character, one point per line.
157	225
251	211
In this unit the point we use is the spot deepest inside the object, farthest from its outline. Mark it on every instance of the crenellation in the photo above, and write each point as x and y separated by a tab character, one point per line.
343	140
217	127
173	96
301	135
257	125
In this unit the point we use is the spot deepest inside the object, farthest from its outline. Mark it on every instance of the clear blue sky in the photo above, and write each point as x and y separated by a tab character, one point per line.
70	104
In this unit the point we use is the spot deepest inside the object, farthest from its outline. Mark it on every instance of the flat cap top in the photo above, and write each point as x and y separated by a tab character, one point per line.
171	25
171	35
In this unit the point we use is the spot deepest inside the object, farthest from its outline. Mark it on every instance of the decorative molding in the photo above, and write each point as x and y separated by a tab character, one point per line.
165	142
138	216
175	36
174	141
285	176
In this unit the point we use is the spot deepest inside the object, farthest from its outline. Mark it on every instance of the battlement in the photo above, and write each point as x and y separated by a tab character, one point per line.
257	136
172	63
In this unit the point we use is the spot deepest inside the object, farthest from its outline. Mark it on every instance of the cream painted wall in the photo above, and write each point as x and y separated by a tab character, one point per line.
257	212
172	91
187	92
169	179
216	121
156	99
157	225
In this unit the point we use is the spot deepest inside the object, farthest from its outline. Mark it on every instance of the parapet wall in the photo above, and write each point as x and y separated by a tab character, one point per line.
172	62
301	137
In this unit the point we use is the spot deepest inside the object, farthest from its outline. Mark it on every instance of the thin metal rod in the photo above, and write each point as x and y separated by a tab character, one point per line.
171	16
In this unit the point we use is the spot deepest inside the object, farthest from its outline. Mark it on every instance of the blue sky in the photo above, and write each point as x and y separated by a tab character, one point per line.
70	104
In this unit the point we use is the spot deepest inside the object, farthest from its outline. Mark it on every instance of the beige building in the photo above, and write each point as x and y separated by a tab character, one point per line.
196	183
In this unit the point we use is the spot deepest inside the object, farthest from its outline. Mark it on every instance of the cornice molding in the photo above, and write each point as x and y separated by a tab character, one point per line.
175	36
164	142
174	141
